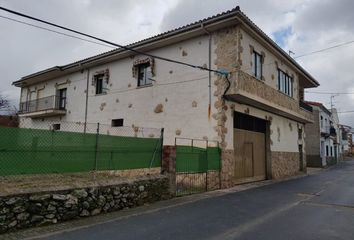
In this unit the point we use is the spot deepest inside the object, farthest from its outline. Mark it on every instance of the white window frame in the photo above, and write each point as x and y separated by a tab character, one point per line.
285	83
257	69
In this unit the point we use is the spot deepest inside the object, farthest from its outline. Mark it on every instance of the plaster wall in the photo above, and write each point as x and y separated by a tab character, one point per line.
182	91
271	62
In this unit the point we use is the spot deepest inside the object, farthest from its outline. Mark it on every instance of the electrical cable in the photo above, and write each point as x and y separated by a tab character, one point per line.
57	32
109	42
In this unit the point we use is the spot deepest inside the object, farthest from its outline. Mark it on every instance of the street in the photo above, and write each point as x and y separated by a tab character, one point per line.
319	206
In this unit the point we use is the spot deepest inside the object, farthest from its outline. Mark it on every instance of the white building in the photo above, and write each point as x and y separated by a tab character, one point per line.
322	137
257	113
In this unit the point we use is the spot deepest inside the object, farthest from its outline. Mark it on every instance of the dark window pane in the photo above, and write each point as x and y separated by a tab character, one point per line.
117	122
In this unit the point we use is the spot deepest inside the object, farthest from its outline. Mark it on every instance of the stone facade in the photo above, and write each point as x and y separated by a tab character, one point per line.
38	209
169	166
285	164
244	84
227	168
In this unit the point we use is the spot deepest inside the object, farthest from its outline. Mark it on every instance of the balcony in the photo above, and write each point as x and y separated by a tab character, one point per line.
43	107
246	89
328	131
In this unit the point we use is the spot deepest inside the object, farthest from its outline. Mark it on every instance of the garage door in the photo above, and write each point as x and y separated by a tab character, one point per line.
250	148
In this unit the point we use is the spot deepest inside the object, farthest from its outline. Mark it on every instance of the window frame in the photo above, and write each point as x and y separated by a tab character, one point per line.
62	98
99	83
259	57
145	81
285	83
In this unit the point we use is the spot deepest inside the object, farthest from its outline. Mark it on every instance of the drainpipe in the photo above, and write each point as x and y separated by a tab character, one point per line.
209	86
86	103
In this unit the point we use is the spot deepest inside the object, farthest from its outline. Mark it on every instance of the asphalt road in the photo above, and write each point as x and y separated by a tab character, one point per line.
319	206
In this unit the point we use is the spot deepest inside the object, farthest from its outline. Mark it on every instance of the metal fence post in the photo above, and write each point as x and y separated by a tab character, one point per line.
96	147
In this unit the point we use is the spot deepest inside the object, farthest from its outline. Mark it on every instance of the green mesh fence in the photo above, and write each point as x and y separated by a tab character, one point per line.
197	160
34	151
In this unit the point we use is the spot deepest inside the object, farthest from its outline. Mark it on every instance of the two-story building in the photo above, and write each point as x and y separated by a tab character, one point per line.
256	110
321	137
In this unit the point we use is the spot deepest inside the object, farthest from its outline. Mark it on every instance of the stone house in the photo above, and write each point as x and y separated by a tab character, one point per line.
322	143
256	111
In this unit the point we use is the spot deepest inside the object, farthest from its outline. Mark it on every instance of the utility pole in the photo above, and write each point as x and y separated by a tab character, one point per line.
332	98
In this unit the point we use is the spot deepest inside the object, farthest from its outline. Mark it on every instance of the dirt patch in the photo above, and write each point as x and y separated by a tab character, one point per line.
12	185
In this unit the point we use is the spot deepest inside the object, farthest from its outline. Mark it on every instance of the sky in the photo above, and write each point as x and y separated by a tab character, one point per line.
302	26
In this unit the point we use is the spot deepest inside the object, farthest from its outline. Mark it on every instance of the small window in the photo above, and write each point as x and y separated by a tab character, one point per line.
331	151
321	121
257	65
56	127
117	122
327	152
300	133
62	98
100	84
144	74
285	83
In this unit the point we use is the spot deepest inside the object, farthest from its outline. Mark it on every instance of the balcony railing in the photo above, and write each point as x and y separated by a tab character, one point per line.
329	131
305	106
42	104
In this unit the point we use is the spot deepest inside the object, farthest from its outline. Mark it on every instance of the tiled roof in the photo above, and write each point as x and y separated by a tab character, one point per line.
224	15
314	103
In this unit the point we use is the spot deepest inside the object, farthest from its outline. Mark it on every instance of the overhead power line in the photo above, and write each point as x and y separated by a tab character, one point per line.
330	93
57	32
324	49
109	42
346	112
115	45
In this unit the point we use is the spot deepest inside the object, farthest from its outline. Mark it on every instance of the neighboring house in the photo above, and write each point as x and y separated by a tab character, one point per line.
257	113
321	138
336	139
346	139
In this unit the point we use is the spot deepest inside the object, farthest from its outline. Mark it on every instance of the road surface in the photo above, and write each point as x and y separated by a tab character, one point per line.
319	206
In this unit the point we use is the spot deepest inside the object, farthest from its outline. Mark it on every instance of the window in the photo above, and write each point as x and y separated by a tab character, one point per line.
144	74
56	126
101	85
327	152
62	98
300	133
285	83
331	151
117	122
321	121
257	65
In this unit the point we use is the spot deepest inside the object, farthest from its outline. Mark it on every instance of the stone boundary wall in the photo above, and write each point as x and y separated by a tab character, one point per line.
38	209
285	164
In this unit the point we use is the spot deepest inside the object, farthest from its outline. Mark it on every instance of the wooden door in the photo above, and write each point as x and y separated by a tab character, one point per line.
250	160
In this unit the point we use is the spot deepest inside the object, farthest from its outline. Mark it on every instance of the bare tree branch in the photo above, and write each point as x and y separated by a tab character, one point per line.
4	103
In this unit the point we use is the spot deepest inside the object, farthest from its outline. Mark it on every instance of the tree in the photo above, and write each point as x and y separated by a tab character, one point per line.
4	103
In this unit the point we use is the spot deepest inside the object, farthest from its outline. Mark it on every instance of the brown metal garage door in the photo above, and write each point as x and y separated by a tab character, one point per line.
250	148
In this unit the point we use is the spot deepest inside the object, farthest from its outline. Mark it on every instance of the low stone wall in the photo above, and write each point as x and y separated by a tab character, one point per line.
285	164
37	209
130	173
